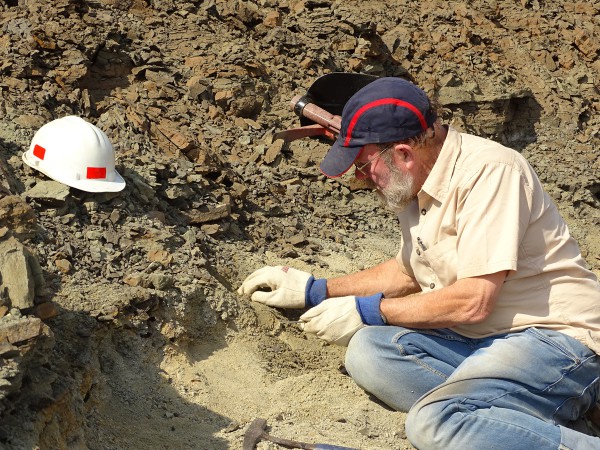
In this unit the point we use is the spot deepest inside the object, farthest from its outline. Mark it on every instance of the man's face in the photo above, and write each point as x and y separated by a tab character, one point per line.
394	187
399	191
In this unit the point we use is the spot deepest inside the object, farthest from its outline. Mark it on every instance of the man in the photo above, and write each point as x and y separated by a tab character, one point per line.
486	326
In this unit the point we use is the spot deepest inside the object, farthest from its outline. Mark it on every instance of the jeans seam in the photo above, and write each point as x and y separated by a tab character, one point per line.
579	364
492	399
581	394
470	413
419	362
542	337
549	386
432	332
428	367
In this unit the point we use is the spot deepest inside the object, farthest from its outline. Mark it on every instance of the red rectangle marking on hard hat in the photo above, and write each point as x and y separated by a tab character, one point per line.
96	172
39	151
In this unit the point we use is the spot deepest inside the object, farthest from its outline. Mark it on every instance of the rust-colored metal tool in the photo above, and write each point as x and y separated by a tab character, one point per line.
321	108
256	433
323	123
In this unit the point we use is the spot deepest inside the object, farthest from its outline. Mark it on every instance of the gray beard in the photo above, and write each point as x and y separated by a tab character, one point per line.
399	191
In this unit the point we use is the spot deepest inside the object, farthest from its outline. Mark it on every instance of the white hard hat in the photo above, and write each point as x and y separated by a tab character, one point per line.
76	153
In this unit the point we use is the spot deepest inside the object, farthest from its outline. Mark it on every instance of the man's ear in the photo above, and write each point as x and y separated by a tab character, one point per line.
404	156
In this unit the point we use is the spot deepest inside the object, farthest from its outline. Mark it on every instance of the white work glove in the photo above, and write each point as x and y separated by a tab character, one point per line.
334	320
288	286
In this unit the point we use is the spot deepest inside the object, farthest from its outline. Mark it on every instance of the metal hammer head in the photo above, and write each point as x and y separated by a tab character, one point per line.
254	433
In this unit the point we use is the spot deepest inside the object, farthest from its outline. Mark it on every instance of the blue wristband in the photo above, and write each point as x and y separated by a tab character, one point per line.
316	291
368	309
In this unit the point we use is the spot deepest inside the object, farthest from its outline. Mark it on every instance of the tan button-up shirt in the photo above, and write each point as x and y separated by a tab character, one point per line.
483	210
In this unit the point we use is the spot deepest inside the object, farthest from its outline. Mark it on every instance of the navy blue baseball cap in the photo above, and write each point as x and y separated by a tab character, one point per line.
388	109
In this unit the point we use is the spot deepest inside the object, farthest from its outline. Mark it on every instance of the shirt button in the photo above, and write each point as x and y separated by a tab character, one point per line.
423	211
418	252
432	286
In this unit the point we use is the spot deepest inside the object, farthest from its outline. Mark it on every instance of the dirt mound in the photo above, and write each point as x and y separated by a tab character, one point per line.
120	326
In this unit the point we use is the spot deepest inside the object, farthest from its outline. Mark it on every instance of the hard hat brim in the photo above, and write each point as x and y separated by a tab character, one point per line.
85	185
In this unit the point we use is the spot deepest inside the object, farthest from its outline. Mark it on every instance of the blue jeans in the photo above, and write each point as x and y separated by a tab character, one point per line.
523	390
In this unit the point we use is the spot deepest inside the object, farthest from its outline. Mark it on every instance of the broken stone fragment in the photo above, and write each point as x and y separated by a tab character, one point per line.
160	255
18	216
585	44
133	280
64	265
21	273
199	89
298	240
20	330
8	350
161	281
274	151
211	229
217	212
272	19
48	191
45	310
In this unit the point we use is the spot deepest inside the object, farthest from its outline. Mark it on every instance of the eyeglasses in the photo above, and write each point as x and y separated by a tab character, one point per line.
361	168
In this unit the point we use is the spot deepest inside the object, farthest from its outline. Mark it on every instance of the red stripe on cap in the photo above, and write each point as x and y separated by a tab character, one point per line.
39	151
96	172
381	102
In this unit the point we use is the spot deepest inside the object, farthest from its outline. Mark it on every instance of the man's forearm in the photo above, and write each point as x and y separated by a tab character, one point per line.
386	277
469	300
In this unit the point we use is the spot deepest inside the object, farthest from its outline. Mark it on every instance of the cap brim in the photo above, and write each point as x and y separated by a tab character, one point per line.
339	159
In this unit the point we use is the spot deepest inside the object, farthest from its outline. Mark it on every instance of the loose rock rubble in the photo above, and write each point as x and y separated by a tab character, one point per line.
120	326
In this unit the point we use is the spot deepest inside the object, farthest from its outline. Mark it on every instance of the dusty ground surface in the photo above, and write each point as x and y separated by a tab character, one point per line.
143	342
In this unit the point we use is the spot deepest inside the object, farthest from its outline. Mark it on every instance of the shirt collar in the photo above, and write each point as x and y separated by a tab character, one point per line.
438	181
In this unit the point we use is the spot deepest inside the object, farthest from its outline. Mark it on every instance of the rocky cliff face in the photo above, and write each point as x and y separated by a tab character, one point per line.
119	322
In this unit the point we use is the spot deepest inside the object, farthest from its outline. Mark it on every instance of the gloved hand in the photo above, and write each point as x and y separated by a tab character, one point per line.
336	319
288	286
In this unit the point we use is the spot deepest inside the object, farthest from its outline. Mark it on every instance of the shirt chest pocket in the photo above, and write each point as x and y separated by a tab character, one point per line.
442	261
